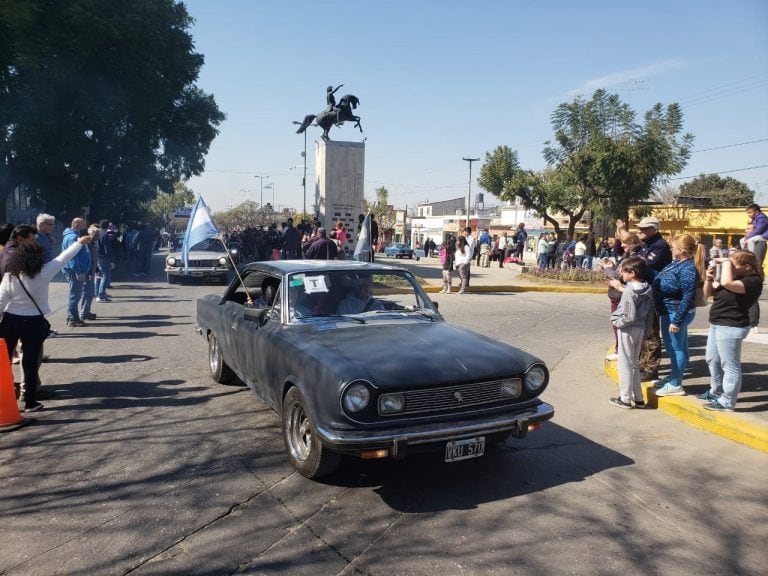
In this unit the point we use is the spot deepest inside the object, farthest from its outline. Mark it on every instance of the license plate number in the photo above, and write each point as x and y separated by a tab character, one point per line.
463	449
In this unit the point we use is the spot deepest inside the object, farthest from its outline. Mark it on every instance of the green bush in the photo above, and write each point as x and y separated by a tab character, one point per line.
565	275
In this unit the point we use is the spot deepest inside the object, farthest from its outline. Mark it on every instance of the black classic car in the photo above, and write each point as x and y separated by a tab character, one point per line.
358	361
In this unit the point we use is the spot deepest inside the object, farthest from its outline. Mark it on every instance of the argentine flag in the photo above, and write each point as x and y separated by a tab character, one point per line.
363	249
199	228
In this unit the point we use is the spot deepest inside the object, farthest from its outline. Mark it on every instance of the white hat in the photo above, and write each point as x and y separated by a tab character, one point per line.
649	222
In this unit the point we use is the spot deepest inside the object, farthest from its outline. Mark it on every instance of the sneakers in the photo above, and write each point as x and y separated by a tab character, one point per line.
708	396
612	356
670	390
639	404
89	316
646	376
105	300
715	406
620	403
660	382
34	407
76	324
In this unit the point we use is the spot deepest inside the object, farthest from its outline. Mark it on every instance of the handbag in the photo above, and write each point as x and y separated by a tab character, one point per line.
46	324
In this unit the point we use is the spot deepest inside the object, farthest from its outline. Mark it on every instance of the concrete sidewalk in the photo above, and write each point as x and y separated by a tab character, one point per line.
748	424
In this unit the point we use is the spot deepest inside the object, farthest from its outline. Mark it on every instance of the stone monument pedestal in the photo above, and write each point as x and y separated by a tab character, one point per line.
339	177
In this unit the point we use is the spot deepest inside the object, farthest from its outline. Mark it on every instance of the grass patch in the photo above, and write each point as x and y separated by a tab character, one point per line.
567	276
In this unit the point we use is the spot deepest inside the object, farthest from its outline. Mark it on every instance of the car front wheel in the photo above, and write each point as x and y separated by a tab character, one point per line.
305	451
220	372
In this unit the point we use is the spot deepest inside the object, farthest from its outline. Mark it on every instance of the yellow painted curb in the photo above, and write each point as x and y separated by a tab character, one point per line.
691	411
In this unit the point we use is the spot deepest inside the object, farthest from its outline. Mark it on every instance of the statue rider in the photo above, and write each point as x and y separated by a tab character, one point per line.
330	99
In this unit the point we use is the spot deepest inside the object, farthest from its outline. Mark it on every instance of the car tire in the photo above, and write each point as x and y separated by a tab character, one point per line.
172	279
220	372
410	256
305	450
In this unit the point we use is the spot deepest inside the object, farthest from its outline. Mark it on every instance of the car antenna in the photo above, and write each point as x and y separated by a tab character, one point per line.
248	299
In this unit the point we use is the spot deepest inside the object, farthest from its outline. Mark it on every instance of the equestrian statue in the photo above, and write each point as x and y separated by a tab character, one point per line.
334	114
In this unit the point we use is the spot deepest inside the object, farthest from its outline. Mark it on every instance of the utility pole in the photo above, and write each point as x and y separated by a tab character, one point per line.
469	191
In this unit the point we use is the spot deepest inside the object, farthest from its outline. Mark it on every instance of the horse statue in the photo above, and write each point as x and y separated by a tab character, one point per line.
335	116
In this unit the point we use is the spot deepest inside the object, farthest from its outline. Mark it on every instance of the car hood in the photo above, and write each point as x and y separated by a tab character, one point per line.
420	354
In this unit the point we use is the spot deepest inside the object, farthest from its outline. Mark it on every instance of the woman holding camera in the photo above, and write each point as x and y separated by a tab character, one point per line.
735	284
24	302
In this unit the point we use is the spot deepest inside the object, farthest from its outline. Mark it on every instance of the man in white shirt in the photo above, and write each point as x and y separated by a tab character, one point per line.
360	299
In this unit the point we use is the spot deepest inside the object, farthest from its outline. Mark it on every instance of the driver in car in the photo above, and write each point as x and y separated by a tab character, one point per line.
360	299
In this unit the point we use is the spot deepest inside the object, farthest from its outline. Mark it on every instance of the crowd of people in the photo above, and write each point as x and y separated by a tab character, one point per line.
87	256
306	240
654	290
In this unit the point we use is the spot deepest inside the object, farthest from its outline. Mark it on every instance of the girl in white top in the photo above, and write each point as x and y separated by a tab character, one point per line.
463	259
21	318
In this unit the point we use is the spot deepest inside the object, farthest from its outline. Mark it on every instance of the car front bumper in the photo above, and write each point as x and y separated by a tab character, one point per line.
432	437
197	272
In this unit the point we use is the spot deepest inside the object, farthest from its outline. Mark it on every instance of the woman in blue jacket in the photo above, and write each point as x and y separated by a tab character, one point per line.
674	294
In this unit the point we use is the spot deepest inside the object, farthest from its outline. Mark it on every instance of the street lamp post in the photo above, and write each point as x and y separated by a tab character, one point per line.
261	188
271	186
469	191
304	180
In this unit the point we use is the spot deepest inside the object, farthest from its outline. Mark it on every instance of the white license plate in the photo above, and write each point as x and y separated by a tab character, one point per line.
463	449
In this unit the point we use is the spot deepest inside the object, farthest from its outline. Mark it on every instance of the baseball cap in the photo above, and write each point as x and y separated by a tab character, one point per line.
649	222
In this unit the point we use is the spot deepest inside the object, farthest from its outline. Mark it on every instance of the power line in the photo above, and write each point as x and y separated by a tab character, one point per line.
722	172
730	145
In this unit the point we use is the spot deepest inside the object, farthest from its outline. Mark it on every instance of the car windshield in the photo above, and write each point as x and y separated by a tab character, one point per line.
360	296
208	245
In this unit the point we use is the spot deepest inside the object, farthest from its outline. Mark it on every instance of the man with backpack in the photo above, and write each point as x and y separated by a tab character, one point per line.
105	260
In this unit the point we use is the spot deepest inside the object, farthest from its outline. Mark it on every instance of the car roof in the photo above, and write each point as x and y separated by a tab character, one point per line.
314	266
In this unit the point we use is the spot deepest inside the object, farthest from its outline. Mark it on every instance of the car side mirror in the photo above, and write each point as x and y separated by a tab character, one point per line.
257	315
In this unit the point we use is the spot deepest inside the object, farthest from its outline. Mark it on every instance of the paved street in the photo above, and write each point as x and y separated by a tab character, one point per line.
144	465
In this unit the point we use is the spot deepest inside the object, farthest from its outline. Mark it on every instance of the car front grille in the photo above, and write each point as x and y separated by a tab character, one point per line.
203	263
454	398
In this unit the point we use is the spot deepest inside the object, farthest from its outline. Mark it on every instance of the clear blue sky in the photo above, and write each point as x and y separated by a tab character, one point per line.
442	80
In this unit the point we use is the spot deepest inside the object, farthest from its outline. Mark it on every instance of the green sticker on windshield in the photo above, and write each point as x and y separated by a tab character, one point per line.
296	282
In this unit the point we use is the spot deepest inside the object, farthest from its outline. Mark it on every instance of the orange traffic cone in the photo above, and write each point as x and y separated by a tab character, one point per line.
10	417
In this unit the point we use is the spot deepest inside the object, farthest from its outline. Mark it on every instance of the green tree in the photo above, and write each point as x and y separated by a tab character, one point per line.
162	207
712	190
98	103
615	162
381	209
547	193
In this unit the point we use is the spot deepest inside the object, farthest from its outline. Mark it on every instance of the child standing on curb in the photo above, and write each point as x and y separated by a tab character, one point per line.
631	319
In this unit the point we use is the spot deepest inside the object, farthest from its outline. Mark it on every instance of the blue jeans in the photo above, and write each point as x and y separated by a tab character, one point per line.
75	294
677	346
89	289
542	261
102	282
724	360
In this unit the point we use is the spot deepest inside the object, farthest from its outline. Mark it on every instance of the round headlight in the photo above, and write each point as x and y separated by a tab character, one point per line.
171	261
391	403
356	397
223	261
536	378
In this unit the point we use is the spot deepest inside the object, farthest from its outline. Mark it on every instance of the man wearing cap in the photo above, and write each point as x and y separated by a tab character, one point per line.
657	254
322	248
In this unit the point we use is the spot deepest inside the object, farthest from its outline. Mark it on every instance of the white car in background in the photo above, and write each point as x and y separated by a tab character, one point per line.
207	259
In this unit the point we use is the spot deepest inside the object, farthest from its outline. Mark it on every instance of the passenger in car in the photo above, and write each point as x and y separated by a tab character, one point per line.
360	299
